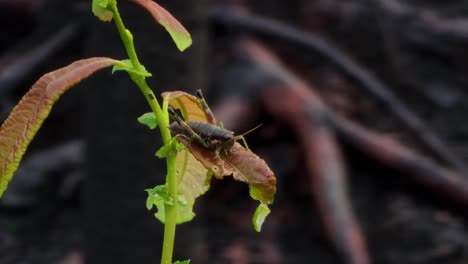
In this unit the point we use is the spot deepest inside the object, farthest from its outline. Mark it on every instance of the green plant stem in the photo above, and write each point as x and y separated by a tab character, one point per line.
162	118
126	37
171	212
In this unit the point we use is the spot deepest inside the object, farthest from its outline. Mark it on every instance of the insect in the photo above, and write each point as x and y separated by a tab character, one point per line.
207	134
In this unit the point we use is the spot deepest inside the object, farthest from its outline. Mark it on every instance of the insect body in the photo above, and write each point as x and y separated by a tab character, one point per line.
215	137
208	135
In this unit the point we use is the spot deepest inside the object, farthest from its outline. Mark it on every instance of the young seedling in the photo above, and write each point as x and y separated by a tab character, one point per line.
187	176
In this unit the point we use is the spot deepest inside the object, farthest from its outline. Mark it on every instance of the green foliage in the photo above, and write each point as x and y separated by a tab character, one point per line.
259	216
159	197
182	262
192	180
148	119
169	148
101	9
126	65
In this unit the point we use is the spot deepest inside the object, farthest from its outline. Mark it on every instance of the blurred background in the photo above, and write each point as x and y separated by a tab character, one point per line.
363	108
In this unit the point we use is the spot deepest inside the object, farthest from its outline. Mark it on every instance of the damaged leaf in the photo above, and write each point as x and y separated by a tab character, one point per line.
193	180
242	164
159	197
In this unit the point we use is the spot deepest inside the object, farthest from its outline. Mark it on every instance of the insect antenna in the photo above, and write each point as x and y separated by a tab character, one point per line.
249	131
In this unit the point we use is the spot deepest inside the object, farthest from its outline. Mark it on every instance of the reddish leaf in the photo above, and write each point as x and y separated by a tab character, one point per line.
27	117
242	164
178	33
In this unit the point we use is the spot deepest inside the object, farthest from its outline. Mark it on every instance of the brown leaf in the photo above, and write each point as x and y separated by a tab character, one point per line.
242	164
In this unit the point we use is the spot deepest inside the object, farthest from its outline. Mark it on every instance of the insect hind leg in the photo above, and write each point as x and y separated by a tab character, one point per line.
206	108
187	130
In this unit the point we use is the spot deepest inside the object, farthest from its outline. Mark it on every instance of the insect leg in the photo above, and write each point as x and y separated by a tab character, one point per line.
240	137
206	108
218	156
186	128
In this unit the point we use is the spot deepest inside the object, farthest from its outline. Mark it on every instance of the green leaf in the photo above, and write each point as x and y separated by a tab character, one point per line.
182	262
193	181
181	200
149	202
259	216
101	10
179	34
148	119
126	65
159	197
28	115
160	193
171	147
164	151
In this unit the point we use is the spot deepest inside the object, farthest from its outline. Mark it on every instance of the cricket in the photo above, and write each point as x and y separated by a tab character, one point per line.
209	135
